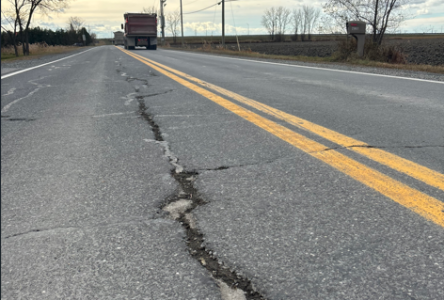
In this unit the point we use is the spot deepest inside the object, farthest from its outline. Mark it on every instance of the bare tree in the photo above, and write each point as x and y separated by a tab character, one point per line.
309	18
331	25
312	15
296	22
24	11
93	36
378	14
75	23
304	22
150	9
12	13
173	20
282	20
269	21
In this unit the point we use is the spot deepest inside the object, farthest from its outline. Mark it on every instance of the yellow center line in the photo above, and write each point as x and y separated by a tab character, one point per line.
393	161
426	206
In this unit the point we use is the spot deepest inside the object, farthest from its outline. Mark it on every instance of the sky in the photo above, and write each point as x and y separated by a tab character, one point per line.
242	17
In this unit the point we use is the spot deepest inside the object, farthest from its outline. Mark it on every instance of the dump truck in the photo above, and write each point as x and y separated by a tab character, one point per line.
140	29
118	38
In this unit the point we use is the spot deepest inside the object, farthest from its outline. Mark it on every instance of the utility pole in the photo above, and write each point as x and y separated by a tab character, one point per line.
223	23
181	20
248	30
162	20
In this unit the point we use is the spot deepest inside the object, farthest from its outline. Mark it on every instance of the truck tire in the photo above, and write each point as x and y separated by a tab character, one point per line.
153	47
131	47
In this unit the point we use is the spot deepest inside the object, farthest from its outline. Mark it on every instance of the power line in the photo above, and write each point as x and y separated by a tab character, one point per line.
192	12
218	3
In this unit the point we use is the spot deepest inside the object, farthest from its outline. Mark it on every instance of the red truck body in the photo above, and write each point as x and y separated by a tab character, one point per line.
140	29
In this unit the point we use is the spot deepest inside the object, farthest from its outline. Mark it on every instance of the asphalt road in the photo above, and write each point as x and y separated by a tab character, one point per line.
176	175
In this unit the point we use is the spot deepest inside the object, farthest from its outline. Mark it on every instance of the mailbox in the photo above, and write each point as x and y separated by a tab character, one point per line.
357	30
356	27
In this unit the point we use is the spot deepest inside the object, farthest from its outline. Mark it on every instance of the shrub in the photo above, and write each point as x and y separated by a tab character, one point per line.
393	54
387	53
206	46
345	50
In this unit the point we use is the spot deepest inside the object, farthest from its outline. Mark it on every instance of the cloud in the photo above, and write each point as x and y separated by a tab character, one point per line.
420	25
107	15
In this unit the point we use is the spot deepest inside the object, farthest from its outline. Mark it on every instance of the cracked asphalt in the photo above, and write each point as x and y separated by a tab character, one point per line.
97	146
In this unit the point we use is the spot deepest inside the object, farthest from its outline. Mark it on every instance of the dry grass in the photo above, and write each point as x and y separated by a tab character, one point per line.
407	67
314	59
103	42
35	50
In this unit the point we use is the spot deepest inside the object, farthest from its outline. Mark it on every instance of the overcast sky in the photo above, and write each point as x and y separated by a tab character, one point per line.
241	17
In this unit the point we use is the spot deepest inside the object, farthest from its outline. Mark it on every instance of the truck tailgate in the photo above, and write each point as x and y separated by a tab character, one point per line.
141	25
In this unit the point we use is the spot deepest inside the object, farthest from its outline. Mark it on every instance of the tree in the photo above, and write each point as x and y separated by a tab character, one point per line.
150	10
282	20
330	25
12	13
269	21
23	11
311	16
296	22
378	14
75	23
173	20
93	37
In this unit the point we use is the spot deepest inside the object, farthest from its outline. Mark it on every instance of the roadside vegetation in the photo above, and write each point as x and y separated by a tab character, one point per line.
19	39
35	50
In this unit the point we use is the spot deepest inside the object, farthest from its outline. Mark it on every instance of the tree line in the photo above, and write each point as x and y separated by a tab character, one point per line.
380	16
17	31
39	35
301	22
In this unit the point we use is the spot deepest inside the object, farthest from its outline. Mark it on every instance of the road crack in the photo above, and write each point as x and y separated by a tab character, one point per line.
81	228
181	204
38	87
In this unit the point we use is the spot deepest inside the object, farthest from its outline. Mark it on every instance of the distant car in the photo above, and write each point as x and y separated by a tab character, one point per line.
78	44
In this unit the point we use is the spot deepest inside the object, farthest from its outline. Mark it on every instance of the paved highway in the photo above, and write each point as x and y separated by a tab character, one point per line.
177	175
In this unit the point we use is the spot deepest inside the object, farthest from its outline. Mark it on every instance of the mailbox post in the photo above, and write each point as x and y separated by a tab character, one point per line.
357	30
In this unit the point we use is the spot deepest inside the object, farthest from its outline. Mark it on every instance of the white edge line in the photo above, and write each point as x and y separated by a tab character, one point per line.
346	71
29	69
332	70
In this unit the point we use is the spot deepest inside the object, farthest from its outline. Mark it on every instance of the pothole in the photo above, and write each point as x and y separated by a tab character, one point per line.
178	208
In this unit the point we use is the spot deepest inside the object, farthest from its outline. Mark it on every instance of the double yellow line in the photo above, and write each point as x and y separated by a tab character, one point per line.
426	206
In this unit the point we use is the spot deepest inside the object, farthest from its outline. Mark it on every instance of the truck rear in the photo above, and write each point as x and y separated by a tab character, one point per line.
118	38
140	29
